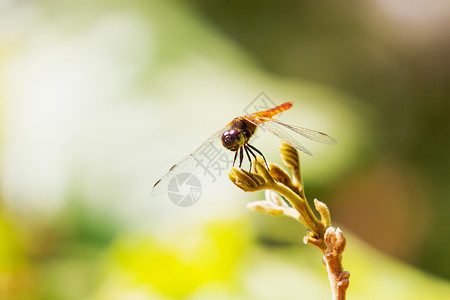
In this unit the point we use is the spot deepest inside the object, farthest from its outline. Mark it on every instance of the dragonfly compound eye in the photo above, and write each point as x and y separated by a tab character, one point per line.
233	139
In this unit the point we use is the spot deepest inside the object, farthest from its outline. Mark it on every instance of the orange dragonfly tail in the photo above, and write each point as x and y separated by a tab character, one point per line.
273	111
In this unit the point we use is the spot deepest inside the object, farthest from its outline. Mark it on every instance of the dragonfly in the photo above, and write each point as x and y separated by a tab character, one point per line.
235	136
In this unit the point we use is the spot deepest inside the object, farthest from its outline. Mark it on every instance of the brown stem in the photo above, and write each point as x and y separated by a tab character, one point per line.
339	279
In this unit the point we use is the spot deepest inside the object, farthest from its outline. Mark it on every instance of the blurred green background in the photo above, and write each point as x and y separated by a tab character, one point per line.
100	98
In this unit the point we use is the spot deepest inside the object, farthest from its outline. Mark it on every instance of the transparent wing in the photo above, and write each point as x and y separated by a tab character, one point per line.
313	135
187	164
282	134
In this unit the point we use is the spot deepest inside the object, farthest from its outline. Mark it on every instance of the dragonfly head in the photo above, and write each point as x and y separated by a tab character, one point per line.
233	139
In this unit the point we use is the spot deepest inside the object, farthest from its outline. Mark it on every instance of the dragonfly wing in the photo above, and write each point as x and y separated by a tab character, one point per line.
282	134
187	164
313	135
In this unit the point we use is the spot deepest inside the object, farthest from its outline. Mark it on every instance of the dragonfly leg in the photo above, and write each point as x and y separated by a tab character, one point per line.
248	156
235	156
259	152
241	157
253	154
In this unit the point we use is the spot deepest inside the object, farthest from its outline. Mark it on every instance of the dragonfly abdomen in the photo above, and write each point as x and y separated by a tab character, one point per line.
273	111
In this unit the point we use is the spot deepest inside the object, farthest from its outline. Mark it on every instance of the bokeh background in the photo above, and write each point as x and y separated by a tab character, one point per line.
100	98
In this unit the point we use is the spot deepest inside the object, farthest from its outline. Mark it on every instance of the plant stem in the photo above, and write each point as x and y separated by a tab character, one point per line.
310	220
334	269
339	279
329	240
